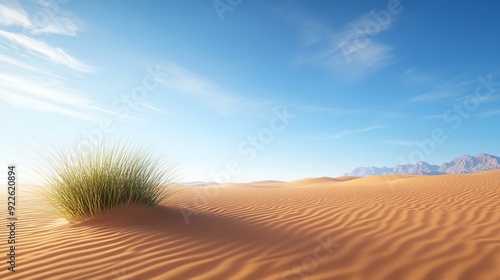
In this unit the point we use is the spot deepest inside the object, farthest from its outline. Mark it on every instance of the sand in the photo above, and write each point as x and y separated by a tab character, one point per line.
387	227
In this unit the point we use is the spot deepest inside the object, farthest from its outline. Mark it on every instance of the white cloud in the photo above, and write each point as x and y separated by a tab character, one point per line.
24	82
490	114
206	92
50	90
490	98
359	63
48	94
36	104
48	19
58	25
155	109
18	64
456	90
432	117
14	15
55	55
352	52
435	96
409	71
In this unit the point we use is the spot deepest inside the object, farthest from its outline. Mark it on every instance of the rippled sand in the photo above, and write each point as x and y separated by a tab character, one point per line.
387	227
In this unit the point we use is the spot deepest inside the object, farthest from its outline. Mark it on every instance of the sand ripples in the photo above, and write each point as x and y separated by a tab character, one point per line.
389	227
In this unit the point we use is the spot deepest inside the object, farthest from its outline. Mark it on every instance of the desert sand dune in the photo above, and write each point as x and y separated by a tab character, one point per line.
387	227
311	182
267	182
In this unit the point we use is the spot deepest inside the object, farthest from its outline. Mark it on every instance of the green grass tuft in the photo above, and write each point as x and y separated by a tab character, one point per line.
84	183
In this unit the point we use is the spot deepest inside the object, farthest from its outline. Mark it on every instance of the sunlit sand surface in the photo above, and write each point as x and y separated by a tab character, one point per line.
387	227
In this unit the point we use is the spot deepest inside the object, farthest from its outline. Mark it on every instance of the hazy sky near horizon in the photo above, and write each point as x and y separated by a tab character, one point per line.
247	90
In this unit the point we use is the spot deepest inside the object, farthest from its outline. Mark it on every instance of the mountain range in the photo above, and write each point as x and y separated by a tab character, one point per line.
462	165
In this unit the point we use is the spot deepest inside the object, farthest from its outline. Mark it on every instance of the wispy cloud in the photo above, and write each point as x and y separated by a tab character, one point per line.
313	32
416	76
24	82
36	104
435	96
490	98
354	51
48	94
50	90
156	109
332	111
41	49
207	92
46	20
12	14
409	71
21	65
432	117
346	133
455	90
27	80
490	114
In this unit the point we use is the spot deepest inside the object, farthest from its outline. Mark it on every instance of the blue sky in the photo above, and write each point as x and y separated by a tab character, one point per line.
246	90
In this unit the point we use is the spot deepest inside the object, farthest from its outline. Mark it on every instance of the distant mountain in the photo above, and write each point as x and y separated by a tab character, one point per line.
418	168
369	171
469	164
462	165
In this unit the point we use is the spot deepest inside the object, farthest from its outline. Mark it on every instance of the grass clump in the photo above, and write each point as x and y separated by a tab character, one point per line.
84	182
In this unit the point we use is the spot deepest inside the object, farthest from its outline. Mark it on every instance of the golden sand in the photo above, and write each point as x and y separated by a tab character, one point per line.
386	227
